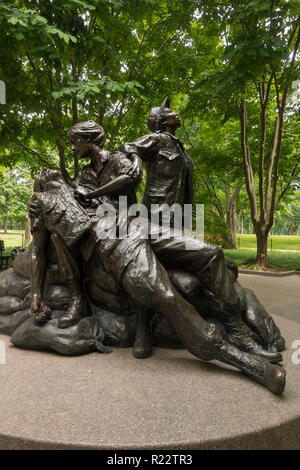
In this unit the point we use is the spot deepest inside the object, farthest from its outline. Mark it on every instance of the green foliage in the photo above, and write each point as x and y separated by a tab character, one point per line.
75	60
112	60
15	193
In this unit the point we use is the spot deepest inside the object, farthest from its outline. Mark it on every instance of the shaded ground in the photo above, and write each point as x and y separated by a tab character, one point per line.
279	295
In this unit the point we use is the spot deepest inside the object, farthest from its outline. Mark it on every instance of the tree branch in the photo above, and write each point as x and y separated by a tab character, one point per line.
35	154
286	186
242	107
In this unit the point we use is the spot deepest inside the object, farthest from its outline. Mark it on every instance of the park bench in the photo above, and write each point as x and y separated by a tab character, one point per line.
4	259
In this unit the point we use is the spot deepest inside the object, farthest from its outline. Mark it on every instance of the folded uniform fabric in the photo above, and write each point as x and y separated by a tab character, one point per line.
60	213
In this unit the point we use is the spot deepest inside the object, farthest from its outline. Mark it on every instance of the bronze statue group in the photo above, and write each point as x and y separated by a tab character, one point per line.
190	282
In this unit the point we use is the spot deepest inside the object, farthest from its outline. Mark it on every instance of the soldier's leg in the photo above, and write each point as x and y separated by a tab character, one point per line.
218	279
247	337
70	272
204	260
261	322
148	284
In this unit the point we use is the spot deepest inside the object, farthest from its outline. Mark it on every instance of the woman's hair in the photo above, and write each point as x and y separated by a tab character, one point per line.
88	131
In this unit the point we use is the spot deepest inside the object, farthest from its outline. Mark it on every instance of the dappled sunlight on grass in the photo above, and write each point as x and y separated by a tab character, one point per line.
278	259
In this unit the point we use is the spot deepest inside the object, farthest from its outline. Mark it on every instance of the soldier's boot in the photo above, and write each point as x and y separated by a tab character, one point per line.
78	307
270	375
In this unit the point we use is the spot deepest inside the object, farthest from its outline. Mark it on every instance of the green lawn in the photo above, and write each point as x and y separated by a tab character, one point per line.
243	257
11	240
287	261
279	242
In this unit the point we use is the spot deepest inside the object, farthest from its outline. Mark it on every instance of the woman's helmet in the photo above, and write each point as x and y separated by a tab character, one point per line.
156	118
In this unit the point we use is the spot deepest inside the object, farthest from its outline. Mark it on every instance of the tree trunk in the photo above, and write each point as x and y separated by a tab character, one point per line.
231	219
231	224
27	233
5	224
262	248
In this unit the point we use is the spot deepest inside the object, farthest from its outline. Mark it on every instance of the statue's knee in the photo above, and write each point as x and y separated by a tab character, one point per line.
162	297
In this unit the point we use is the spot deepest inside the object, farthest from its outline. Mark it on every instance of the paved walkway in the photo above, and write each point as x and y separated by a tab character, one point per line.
169	401
279	295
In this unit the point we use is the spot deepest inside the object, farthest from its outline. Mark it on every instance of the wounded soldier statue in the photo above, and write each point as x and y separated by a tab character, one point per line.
87	286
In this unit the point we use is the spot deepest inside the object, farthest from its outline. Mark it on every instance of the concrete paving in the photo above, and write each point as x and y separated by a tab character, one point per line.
279	295
169	401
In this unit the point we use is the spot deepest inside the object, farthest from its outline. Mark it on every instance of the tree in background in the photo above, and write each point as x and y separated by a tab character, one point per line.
218	178
227	66
15	193
287	217
76	60
253	70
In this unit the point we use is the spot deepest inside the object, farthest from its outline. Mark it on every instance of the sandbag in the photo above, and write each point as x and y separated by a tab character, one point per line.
13	284
102	278
9	323
119	329
10	304
5	277
19	286
163	334
185	282
81	338
21	264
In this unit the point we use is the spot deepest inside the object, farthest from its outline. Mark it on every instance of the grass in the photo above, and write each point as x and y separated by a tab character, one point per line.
280	260
279	242
243	257
11	240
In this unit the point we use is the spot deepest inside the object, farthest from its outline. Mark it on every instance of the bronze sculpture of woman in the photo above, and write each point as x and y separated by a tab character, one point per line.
133	265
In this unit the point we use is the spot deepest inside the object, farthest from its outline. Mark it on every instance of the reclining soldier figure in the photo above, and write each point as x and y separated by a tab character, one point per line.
132	262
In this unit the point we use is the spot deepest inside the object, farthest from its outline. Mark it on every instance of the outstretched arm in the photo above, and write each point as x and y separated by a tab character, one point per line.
145	147
130	178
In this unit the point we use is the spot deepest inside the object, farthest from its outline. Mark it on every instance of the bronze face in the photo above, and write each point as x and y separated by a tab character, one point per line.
172	119
80	147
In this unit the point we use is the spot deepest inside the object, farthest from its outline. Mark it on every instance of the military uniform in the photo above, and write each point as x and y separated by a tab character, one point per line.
169	169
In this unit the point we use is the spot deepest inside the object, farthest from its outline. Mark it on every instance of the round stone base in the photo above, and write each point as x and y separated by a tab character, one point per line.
169	401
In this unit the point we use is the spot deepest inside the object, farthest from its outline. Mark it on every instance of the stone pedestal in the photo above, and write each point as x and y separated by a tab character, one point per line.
169	401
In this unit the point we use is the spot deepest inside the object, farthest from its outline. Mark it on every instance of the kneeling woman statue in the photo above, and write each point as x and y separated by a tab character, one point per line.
69	217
